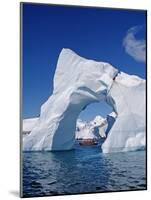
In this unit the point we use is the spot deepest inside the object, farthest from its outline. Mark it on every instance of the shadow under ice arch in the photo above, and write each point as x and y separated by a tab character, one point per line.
79	82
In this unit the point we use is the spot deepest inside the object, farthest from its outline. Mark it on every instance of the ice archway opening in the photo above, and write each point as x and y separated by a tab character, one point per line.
79	82
94	109
92	123
68	122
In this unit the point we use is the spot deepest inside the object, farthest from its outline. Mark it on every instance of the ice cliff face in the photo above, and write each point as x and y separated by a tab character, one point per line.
79	82
128	132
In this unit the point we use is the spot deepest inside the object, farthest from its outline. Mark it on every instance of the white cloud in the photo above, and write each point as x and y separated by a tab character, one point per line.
134	47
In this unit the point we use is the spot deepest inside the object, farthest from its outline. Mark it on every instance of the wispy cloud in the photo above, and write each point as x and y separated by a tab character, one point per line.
134	47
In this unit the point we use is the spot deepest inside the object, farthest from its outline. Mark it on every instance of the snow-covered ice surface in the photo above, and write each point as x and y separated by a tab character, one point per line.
79	82
84	130
94	129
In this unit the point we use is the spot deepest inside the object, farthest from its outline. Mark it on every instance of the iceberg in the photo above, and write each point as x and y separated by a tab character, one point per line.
77	83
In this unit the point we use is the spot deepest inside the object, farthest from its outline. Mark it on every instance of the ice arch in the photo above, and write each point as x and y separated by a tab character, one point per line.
77	83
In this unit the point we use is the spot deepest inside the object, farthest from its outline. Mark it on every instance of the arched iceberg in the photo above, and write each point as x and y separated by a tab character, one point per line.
77	83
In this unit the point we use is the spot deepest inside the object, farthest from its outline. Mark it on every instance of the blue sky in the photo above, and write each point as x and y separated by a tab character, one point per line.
114	36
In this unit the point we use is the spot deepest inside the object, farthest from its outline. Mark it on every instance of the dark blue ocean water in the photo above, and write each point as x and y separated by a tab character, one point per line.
83	170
